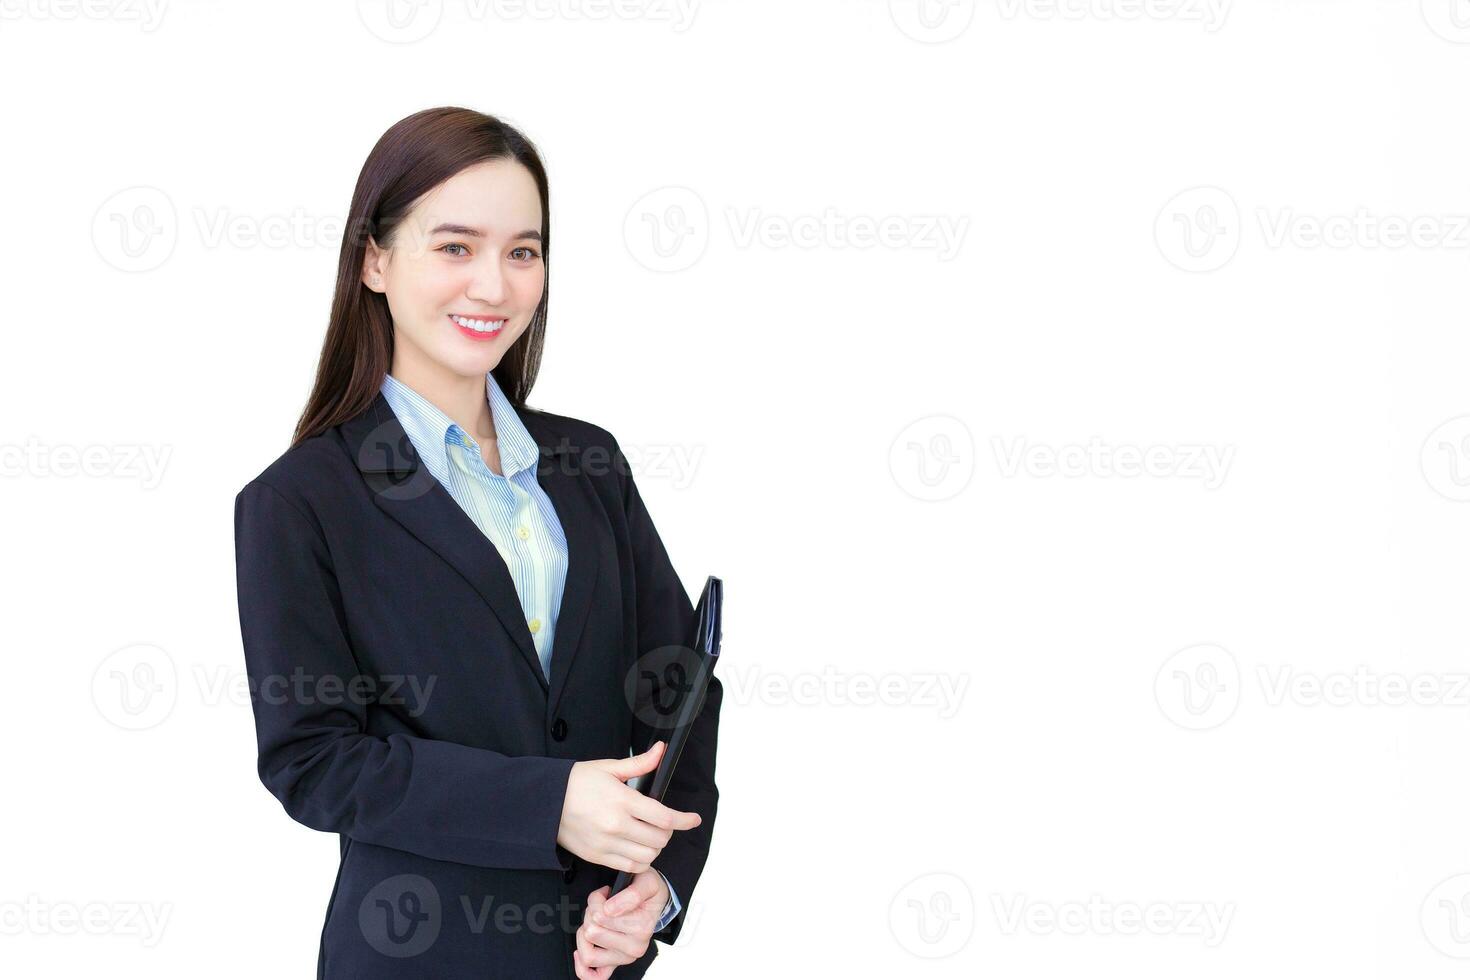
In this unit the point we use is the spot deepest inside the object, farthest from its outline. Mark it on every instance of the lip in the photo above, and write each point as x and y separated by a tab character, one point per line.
475	334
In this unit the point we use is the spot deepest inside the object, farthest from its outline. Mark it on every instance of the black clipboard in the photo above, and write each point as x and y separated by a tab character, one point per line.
705	645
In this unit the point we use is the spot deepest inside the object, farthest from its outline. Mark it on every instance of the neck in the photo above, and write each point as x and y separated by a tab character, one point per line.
457	396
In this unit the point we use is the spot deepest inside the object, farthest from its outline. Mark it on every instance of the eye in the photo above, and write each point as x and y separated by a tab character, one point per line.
453	245
531	253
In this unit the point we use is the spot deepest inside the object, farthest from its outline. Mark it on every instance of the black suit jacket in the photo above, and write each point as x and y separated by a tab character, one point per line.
399	702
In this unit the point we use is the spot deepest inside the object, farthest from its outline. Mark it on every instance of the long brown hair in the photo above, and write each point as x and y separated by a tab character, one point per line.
414	156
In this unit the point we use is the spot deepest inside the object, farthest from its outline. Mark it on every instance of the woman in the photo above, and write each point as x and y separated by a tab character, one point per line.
446	597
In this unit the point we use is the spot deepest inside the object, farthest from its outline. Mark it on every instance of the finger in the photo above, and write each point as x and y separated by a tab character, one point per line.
617	861
607	956
637	918
642	832
585	948
628	901
636	765
642	857
639	890
586	972
629	944
638	923
592	956
602	969
649	810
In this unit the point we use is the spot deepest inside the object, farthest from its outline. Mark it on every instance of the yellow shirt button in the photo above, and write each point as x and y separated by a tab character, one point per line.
523	532
535	626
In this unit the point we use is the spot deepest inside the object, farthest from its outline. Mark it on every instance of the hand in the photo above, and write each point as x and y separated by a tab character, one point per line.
617	932
607	822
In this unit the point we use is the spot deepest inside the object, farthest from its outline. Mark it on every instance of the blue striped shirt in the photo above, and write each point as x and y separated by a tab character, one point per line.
509	508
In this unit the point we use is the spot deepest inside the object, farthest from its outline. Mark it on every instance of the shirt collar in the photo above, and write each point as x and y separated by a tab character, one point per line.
431	431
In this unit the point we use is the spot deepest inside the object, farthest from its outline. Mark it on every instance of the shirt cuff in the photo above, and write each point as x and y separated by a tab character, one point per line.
672	907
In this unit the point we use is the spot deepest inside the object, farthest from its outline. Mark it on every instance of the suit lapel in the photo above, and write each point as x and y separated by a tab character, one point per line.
405	490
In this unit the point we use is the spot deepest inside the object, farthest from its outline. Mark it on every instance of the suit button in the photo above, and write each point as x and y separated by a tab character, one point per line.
569	873
559	730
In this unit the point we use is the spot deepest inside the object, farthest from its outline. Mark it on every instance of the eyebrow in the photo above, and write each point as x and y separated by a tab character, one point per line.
452	229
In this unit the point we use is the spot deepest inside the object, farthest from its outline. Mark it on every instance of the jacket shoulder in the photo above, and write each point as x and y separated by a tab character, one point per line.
578	433
593	451
302	473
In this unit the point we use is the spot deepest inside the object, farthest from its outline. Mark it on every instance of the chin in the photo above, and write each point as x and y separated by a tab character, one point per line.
476	367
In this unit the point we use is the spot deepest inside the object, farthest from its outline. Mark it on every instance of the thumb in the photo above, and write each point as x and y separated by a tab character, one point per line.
637	765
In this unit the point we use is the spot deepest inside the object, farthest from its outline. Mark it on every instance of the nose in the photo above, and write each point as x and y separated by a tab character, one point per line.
487	284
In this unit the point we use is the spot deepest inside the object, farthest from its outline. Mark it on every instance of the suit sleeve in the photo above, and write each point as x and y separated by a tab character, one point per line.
665	618
439	799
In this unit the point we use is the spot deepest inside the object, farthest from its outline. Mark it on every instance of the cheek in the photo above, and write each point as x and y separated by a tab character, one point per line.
437	285
420	298
528	288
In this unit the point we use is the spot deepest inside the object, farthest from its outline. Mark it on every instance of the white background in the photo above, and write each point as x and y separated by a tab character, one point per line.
1205	720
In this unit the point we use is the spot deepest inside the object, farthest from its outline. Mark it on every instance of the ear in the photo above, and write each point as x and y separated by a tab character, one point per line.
372	266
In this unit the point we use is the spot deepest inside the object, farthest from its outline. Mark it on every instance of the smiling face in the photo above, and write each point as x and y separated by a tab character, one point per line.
463	272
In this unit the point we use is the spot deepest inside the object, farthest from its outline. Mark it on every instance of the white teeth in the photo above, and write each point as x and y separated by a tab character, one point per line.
483	326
